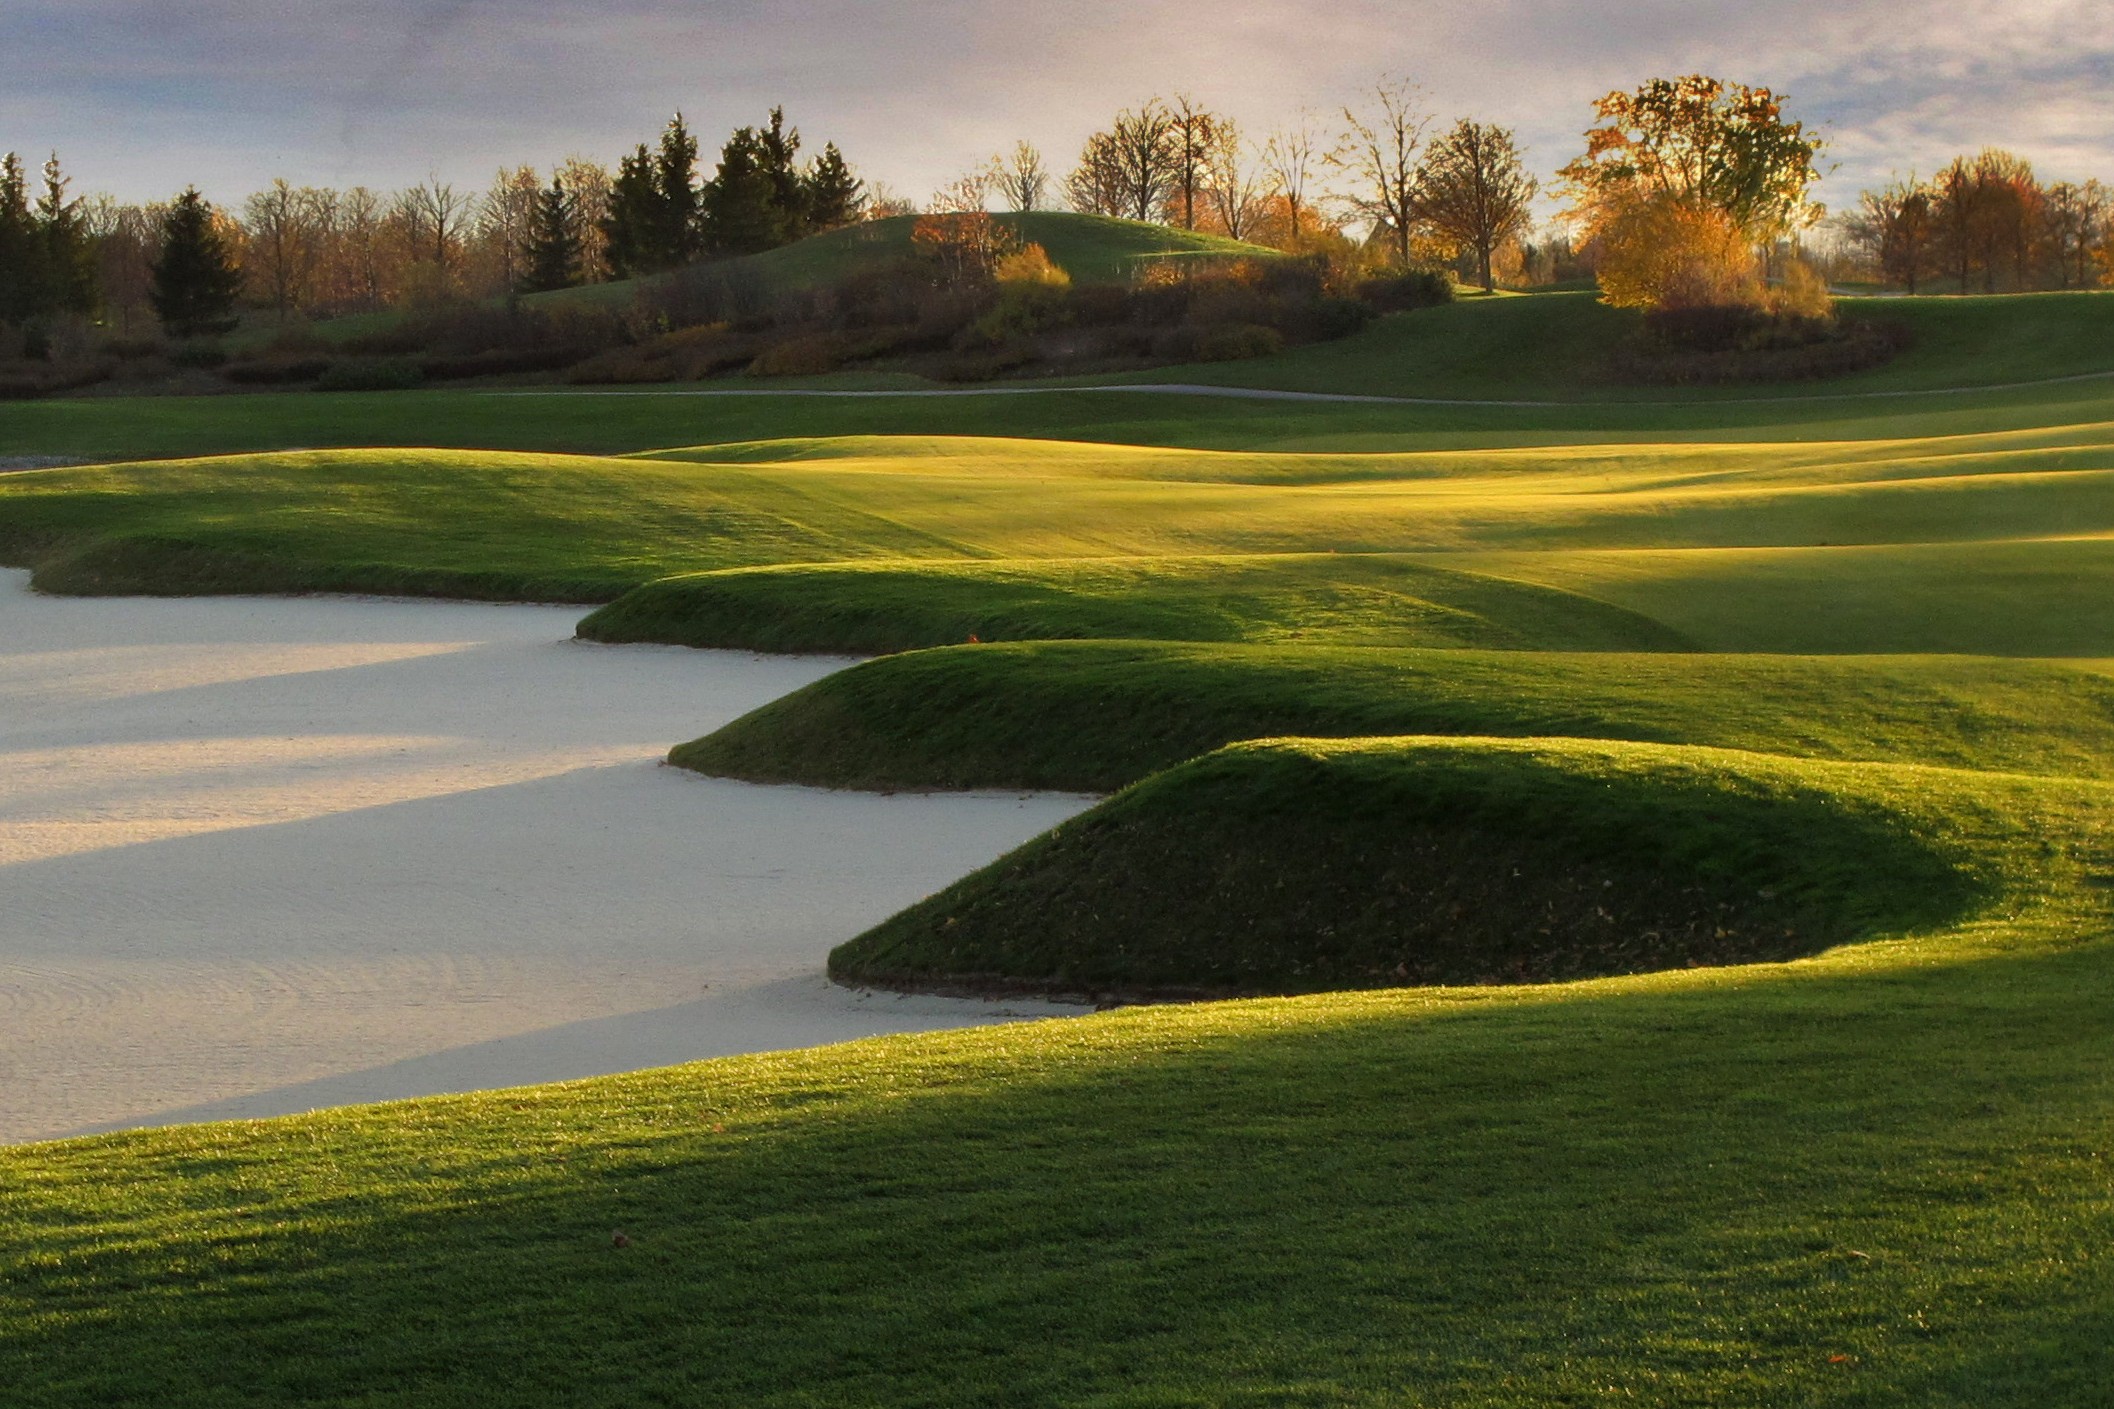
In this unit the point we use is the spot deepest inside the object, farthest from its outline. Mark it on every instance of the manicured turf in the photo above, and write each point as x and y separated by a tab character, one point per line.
1366	599
1876	1175
1301	866
1097	716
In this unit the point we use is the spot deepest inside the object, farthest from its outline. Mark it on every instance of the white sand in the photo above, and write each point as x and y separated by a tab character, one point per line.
263	855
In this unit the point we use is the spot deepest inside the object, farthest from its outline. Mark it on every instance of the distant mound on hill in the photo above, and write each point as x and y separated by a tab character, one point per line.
1093	249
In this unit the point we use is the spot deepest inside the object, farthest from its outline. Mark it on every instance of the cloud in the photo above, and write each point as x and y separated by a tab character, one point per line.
141	96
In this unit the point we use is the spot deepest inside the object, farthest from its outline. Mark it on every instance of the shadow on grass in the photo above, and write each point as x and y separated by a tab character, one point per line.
1700	1190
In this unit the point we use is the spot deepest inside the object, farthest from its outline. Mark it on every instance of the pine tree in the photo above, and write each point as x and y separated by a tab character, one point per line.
69	251
834	196
634	221
195	278
740	203
778	149
22	257
552	251
675	173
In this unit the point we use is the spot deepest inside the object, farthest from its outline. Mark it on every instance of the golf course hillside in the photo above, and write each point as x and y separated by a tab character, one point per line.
1092	249
1605	894
1419	862
1098	716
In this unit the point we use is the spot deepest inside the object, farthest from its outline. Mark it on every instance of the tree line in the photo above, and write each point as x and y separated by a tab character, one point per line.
1689	190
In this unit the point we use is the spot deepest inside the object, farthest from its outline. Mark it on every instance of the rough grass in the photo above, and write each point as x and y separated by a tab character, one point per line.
1296	866
872	608
1097	716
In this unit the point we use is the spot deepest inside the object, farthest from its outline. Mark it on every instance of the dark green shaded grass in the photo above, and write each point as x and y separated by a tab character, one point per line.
1875	1178
1558	346
1298	866
1094	716
881	607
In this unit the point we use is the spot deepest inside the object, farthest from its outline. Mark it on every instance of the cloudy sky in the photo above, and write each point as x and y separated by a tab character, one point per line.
143	96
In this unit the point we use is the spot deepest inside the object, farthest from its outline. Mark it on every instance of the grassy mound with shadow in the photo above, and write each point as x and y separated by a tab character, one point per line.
1418	862
1348	599
1093	716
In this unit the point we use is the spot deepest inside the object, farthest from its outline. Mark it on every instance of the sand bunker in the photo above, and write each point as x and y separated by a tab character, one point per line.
264	855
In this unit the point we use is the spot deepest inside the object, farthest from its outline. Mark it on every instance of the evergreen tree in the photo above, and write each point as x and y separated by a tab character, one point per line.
22	257
195	278
552	252
834	196
740	202
675	172
778	149
634	221
69	251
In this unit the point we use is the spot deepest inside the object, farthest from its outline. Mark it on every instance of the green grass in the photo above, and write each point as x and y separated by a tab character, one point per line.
1302	866
871	608
1093	249
1097	716
1873	1175
1876	1177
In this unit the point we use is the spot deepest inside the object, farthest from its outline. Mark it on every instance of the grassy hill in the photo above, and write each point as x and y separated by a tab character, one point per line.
1429	696
1093	249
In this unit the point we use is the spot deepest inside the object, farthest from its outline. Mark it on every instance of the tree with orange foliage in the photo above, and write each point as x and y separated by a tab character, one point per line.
1693	159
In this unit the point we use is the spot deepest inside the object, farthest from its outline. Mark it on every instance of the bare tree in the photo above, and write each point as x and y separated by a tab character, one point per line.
1129	170
1234	185
434	216
1290	159
1473	190
2077	225
365	269
1021	177
1193	135
1377	150
289	231
505	214
588	183
1895	225
1096	185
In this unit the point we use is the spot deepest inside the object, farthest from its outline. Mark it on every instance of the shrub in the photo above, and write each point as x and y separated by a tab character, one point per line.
199	353
1401	293
371	374
275	371
1232	342
808	355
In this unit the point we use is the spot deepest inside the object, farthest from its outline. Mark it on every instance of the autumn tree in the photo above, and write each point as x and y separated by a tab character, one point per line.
1020	177
1895	226
1377	152
2078	226
1474	192
1697	156
196	280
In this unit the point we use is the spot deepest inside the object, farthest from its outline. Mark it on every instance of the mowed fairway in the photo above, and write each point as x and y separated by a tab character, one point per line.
1824	683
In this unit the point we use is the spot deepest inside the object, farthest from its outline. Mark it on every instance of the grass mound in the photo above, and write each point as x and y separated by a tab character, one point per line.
1293	866
1096	716
1348	599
